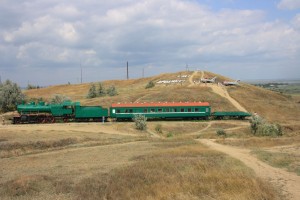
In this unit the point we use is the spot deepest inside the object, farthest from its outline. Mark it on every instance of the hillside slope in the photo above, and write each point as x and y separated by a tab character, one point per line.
273	106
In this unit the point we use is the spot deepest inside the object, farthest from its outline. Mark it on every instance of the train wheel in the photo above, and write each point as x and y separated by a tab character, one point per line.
66	120
52	120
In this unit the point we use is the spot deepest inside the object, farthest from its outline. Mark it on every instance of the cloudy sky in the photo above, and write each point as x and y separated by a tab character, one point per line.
46	42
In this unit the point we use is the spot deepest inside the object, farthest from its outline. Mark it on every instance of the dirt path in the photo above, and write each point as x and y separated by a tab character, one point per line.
288	182
191	78
222	91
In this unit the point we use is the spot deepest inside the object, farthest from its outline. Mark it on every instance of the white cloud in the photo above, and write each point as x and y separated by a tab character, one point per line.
163	34
68	32
289	4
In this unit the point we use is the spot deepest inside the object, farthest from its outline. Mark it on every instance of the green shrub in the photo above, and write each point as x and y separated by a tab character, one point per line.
101	90
267	129
221	132
150	84
92	92
112	91
169	135
158	128
262	128
255	121
140	122
58	98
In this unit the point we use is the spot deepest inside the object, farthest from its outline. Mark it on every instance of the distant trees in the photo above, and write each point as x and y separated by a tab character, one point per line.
101	92
10	96
30	87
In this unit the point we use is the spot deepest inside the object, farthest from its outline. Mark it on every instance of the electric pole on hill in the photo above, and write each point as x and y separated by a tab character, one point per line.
127	71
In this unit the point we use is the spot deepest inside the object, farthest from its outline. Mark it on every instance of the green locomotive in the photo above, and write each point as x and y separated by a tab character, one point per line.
66	111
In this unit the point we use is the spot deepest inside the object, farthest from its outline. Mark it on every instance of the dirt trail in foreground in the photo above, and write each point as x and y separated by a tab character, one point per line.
288	182
222	91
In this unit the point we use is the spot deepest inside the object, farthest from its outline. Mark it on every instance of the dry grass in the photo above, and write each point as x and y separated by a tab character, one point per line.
188	172
289	161
179	128
86	169
271	105
261	142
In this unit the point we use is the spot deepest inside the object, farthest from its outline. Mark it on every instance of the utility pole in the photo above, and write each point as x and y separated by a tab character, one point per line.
127	71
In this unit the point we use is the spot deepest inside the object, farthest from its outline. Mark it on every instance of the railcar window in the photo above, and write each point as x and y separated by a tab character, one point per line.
196	109
207	109
145	110
126	111
167	110
182	110
130	111
159	110
152	110
189	110
118	111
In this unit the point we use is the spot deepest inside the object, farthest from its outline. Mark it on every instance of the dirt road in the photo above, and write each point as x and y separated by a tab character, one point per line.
288	182
222	91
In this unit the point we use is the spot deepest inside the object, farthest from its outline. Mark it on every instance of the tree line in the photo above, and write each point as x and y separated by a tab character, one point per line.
101	91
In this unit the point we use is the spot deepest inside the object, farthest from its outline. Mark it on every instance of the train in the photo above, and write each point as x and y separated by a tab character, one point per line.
69	111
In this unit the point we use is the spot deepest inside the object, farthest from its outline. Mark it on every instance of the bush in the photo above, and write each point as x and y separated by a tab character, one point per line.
270	130
255	121
169	135
10	96
221	132
150	85
158	128
101	90
140	122
112	91
260	127
92	92
58	99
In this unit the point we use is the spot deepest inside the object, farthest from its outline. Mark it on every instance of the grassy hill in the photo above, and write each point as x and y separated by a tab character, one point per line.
271	105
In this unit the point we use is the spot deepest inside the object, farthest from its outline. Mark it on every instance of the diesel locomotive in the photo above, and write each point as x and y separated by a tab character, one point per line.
72	111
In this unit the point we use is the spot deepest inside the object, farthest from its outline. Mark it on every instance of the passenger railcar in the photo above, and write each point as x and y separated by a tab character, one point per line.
161	110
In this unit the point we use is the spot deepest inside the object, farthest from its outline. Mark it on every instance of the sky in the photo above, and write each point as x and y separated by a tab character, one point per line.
51	41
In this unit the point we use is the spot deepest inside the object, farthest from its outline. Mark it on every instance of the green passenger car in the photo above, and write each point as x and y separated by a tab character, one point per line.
161	110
